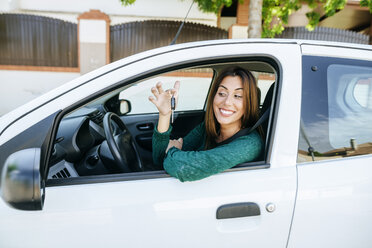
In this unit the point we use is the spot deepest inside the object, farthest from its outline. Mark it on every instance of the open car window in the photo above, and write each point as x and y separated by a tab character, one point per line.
81	147
195	84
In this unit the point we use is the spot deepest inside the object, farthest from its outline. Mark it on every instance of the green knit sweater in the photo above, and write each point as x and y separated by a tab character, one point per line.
194	163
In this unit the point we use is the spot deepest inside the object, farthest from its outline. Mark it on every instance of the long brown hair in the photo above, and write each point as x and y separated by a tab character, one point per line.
250	104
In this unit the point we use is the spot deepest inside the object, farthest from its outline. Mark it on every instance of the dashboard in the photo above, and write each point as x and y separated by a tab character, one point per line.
78	144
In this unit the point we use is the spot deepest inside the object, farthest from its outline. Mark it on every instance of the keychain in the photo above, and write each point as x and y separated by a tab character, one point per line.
173	107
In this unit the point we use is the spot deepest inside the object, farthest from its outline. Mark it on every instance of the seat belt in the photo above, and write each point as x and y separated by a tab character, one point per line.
247	130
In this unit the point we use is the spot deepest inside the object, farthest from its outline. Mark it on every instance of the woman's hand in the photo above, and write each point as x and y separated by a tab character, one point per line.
162	99
175	143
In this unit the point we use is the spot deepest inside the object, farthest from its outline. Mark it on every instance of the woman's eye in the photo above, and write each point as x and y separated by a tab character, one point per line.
238	96
222	94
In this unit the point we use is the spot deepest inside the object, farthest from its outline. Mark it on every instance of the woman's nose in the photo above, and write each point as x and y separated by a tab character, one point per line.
228	99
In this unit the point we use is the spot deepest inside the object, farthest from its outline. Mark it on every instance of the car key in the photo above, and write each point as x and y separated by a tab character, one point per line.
173	107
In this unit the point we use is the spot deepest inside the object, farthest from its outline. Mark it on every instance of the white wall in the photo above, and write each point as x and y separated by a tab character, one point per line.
159	8
19	87
9	5
140	10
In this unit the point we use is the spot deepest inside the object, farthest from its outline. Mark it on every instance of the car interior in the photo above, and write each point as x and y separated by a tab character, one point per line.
112	134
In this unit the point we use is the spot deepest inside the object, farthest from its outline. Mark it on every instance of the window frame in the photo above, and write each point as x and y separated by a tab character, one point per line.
272	61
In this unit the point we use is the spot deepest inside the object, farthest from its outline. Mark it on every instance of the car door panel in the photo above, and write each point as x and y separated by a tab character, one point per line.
167	213
333	204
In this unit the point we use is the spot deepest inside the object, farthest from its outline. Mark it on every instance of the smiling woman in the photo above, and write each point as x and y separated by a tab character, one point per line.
232	105
222	141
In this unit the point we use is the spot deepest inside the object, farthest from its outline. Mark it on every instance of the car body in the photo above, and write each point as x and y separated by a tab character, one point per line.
313	188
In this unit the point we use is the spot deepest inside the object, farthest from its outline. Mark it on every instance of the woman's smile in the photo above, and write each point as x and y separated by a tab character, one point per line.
226	112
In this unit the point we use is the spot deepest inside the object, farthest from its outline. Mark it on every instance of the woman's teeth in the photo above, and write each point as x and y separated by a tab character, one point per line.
226	112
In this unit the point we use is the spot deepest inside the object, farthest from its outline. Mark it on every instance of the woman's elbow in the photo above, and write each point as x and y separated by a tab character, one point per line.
181	172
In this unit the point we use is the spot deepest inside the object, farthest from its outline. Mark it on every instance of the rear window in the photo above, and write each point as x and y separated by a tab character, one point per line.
336	111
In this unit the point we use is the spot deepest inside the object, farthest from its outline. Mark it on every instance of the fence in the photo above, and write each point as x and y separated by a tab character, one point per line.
29	40
130	38
326	34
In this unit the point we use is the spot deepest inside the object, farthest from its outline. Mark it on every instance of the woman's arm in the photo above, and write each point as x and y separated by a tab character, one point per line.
160	139
159	145
161	142
195	165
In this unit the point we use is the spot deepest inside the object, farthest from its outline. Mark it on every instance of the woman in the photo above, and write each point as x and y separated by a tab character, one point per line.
231	107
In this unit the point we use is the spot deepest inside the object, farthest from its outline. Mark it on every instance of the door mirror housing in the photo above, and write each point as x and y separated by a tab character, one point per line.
21	184
125	107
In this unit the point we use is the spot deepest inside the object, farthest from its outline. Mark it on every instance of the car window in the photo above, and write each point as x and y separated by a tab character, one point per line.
83	146
336	109
195	84
194	88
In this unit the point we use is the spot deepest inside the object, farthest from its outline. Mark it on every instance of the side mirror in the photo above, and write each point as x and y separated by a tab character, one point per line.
21	184
125	107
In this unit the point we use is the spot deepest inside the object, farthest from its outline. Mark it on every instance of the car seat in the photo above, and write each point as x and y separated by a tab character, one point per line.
266	106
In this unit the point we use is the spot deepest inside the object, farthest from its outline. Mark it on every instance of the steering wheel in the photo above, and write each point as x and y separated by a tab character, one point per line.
121	146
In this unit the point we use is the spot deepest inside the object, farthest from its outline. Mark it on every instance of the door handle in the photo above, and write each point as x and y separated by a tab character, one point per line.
145	126
236	210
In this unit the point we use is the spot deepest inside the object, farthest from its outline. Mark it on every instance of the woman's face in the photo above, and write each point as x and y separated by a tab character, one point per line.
228	102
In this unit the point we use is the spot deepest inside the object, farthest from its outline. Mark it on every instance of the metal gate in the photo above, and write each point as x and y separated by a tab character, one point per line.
31	40
326	34
130	38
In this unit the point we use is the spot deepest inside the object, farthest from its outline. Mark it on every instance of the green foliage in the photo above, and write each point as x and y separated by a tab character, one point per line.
331	7
213	5
366	3
127	2
275	13
314	18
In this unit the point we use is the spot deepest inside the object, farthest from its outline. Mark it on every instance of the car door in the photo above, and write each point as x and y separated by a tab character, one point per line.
334	157
151	209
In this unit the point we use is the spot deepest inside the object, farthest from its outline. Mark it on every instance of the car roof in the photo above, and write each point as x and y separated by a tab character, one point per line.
271	40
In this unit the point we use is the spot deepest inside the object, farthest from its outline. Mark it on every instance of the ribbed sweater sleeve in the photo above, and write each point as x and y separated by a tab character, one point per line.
196	165
159	145
194	140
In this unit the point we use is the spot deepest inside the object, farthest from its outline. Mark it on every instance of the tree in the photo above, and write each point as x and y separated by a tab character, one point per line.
255	19
273	14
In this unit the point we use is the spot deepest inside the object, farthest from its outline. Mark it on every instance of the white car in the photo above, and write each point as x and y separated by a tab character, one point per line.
71	178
